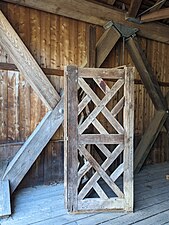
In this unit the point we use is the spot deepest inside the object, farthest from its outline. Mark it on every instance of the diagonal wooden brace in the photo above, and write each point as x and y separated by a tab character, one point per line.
106	44
149	80
34	145
150	136
27	64
148	139
160	102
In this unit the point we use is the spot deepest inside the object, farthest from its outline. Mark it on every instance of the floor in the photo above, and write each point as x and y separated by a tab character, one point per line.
43	205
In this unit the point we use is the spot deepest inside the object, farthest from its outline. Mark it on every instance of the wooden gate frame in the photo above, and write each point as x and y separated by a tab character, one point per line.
74	140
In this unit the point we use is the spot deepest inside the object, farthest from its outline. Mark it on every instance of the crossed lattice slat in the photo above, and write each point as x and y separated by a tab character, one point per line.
100	171
100	107
91	162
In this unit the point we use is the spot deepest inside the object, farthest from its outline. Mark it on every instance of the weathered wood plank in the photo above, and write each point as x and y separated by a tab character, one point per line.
99	191
106	44
5	206
107	204
148	139
128	139
71	159
101	139
156	15
47	71
88	12
146	74
83	103
27	64
34	145
59	72
115	73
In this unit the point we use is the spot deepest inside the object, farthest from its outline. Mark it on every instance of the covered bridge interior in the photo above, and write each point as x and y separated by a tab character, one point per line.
88	33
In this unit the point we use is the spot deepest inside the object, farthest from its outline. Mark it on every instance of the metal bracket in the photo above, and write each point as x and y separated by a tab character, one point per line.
125	31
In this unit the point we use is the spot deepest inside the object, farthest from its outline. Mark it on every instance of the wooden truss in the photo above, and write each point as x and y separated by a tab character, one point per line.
34	145
81	161
76	10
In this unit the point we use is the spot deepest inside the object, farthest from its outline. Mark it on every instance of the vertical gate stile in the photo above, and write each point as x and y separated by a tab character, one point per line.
71	137
128	138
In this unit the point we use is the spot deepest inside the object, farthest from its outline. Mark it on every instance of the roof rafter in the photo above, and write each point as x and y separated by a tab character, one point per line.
158	5
134	8
156	15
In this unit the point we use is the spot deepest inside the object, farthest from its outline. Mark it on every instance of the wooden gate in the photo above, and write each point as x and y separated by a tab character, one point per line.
98	157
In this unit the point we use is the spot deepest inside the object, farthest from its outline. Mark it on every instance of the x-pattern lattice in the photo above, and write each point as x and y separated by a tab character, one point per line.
100	106
111	157
98	157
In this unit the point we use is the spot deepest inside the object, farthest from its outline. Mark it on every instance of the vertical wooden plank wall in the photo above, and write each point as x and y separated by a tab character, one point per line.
57	41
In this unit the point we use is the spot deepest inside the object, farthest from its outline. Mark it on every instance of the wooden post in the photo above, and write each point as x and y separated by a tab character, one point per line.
71	137
128	138
5	207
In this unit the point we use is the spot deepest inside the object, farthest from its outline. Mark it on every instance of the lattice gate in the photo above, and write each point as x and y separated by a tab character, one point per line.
99	112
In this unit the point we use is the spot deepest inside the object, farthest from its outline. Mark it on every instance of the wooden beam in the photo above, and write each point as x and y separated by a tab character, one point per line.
59	72
158	5
27	64
47	71
148	139
146	74
34	145
156	15
134	8
96	14
106	44
5	206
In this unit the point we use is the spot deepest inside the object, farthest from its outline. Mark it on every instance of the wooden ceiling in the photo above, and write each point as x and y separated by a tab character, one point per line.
149	17
153	9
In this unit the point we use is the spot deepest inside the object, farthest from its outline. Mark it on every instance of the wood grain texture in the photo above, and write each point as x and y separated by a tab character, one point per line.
106	44
20	164
128	118
146	74
156	15
71	124
148	139
88	12
5	206
26	63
